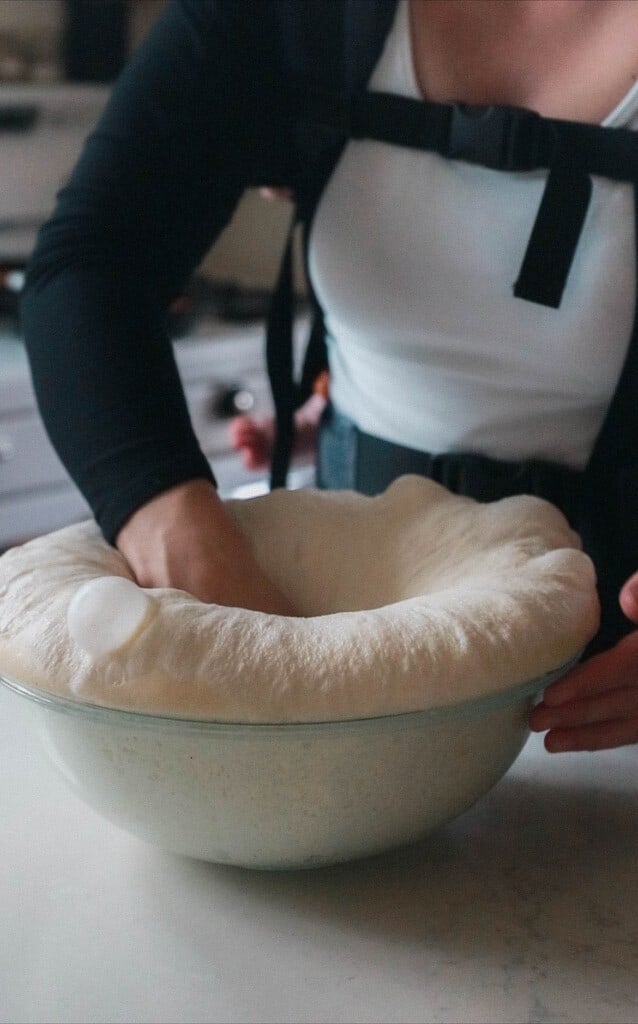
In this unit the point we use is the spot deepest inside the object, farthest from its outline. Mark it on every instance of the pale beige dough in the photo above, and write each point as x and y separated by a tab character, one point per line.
410	600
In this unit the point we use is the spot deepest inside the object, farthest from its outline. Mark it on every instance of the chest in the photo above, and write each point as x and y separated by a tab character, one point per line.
564	59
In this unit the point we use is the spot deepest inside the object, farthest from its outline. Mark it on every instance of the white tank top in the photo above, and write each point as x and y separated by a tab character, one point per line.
413	259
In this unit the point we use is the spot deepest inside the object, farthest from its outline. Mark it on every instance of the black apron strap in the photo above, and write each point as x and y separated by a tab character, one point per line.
505	139
350	458
497	137
287	393
554	237
501	137
280	365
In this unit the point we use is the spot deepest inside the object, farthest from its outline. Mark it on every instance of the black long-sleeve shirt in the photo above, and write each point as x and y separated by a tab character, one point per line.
189	126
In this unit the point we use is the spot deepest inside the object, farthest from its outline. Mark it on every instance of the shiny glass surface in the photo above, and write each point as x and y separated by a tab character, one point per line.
142	719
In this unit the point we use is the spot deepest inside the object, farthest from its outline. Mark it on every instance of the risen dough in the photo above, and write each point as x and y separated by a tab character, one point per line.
413	599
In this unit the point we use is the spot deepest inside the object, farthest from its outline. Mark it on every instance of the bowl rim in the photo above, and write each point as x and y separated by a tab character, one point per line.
458	711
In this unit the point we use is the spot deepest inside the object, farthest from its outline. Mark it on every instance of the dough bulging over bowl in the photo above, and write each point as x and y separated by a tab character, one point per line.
412	600
396	700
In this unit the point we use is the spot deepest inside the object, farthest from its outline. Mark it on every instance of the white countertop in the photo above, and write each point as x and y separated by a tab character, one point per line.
525	909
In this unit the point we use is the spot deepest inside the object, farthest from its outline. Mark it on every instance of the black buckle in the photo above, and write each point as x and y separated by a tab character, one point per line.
501	138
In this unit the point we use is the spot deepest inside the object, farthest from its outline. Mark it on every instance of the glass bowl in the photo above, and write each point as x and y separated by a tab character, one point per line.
283	796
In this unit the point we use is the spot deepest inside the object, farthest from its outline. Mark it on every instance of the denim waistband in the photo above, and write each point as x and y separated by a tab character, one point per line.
349	458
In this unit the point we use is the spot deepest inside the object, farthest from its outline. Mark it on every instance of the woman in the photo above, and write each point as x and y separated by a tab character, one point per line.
411	255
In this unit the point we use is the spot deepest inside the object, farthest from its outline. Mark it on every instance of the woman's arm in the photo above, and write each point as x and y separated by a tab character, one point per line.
184	133
187	128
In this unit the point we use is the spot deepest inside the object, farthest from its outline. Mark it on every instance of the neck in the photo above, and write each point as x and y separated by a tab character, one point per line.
561	57
503	15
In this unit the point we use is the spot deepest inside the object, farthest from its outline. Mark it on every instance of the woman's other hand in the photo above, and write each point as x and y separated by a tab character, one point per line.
595	706
253	436
184	538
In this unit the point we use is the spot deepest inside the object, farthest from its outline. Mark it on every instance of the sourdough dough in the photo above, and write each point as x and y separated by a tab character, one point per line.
413	599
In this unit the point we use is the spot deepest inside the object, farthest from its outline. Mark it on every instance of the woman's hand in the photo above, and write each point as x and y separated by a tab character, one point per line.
595	706
253	436
184	538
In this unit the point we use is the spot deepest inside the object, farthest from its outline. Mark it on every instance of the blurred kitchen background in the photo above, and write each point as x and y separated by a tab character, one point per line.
58	60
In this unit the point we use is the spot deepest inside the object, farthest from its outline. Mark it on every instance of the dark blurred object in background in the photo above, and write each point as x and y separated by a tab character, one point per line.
95	41
205	302
11	283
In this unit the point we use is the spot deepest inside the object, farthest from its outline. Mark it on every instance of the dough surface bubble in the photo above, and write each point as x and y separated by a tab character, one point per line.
105	614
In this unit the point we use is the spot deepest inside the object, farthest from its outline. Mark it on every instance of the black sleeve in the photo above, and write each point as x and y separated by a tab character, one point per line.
185	132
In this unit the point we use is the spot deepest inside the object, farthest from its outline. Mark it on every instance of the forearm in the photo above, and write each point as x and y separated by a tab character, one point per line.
155	185
109	393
